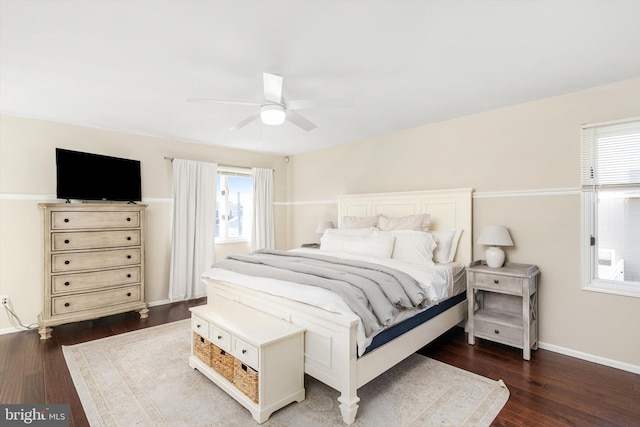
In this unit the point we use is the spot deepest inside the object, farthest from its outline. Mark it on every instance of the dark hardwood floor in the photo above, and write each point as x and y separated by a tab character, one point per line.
550	390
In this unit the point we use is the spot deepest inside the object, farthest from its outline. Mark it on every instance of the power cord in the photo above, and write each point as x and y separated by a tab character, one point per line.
13	319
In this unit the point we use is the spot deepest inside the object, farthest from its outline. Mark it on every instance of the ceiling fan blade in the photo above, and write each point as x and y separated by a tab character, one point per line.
223	101
305	104
272	87
245	121
300	121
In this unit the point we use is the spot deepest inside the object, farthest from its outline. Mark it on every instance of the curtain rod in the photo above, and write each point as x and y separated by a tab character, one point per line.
224	166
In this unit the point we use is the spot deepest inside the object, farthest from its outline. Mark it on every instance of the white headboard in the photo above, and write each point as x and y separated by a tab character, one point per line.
449	209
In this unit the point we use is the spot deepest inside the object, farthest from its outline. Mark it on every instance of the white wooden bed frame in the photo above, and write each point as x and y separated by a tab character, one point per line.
330	338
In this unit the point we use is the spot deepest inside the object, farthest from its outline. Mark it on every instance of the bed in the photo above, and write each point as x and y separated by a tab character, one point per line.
334	352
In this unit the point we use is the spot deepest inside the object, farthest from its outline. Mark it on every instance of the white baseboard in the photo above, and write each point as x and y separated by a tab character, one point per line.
590	357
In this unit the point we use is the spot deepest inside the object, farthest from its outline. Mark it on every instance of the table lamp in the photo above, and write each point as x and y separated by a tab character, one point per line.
495	236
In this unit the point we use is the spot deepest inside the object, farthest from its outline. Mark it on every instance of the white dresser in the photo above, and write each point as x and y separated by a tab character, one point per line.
256	358
93	262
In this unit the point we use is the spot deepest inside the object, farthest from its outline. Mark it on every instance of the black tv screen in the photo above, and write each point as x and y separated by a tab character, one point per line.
87	176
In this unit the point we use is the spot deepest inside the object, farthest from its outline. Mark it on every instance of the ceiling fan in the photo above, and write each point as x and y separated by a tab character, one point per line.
274	109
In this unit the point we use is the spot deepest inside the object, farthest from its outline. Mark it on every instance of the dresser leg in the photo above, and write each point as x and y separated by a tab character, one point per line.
144	313
45	333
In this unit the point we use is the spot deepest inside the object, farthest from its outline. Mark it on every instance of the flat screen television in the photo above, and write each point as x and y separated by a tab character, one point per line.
87	176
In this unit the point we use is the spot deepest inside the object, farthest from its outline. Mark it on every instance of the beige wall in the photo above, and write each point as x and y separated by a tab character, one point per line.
27	177
516	158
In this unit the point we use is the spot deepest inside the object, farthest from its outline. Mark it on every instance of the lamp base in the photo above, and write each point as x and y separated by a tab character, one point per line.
495	257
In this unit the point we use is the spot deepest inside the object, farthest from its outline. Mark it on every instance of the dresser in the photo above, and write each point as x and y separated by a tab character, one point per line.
503	305
256	358
93	262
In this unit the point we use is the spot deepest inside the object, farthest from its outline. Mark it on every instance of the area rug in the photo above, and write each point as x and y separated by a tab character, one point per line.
142	378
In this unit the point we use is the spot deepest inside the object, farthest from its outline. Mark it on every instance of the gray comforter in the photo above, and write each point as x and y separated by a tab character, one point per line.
374	292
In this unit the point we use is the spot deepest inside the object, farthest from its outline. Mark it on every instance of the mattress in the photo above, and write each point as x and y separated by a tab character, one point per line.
441	281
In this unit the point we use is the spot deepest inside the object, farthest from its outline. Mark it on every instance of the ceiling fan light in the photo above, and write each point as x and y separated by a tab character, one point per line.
272	114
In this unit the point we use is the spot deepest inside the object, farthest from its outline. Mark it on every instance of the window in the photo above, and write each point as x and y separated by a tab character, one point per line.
611	207
234	205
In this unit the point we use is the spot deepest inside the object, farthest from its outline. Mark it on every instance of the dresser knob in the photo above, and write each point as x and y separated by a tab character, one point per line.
128	294
128	256
128	219
67	241
495	331
67	262
67	283
244	351
198	326
66	220
496	281
219	337
128	237
128	275
66	304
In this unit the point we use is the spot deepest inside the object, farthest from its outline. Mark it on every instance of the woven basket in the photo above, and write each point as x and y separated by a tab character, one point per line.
222	362
202	348
245	379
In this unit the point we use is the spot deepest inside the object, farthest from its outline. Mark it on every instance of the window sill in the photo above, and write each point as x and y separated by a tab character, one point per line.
615	288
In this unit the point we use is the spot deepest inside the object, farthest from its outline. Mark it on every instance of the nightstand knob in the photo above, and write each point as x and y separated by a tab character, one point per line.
496	281
244	351
496	331
198	326
219	337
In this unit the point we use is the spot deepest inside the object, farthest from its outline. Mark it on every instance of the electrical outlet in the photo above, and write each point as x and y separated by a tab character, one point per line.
4	299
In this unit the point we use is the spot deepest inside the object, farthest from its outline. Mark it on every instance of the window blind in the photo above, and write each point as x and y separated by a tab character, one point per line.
611	155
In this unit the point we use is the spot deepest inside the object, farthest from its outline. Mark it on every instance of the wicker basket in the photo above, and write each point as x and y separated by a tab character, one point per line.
203	349
222	362
245	379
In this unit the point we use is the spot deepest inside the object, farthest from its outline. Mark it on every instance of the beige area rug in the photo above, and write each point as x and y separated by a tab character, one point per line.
142	378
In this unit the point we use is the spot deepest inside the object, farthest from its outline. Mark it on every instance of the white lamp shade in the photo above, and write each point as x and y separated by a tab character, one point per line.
272	114
323	225
495	236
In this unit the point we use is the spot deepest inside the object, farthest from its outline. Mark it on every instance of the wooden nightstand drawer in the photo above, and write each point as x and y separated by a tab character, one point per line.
506	334
499	283
94	239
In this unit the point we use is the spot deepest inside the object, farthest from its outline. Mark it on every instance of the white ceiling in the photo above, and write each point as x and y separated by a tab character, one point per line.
130	65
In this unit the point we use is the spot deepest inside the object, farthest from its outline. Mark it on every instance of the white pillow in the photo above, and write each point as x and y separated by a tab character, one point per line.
359	221
413	246
375	245
351	231
411	222
447	245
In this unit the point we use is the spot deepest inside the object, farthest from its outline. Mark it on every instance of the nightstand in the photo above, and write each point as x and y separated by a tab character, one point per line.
503	305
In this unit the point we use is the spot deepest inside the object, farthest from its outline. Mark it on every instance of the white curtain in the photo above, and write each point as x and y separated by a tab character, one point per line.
263	230
194	222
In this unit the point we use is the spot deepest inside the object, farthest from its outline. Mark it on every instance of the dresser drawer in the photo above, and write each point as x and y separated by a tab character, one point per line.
498	283
96	280
200	326
94	260
510	335
69	220
220	338
94	239
94	300
245	352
